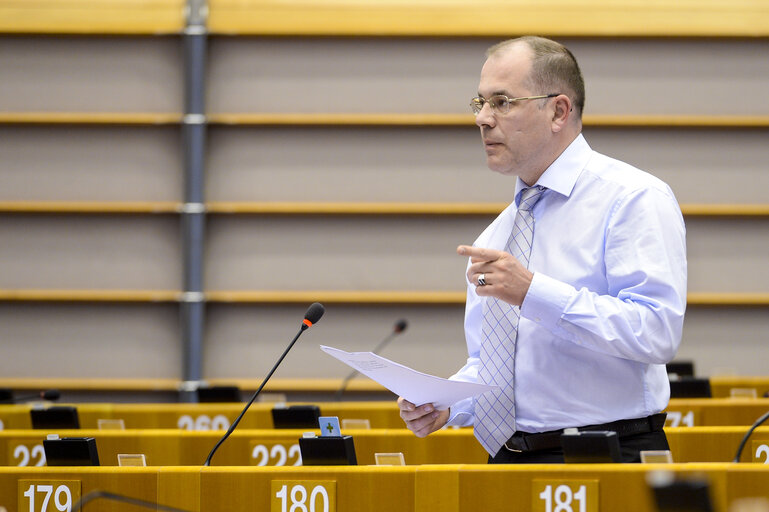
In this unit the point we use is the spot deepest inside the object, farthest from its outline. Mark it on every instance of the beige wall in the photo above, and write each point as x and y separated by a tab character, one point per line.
76	162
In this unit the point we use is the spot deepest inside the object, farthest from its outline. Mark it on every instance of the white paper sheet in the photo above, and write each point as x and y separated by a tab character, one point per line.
416	387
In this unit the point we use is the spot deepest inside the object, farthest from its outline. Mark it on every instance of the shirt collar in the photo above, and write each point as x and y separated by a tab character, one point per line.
562	174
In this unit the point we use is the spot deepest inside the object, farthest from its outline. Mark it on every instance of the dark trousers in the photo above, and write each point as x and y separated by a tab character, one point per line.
630	448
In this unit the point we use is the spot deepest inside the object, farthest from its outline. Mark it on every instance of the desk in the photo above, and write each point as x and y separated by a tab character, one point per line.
721	386
713	412
212	416
428	488
209	416
168	390
165	447
295	390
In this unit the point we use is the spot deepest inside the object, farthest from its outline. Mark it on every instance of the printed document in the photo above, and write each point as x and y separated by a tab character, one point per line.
416	387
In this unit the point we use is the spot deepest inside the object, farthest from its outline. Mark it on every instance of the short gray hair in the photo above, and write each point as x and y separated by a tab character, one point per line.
554	68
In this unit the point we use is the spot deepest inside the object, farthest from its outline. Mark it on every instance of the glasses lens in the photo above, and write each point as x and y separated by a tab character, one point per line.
476	104
500	104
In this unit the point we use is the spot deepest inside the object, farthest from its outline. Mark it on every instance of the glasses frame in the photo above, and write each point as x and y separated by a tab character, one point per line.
483	101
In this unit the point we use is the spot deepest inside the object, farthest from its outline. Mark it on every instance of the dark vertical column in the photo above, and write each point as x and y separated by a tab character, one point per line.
193	212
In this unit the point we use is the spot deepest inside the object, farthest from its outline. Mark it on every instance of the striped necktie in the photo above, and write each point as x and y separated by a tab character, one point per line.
495	410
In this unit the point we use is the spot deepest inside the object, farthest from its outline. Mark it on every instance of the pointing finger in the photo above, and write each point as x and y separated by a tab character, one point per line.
478	254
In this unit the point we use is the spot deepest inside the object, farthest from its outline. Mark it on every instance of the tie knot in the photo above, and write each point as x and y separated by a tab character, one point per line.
530	196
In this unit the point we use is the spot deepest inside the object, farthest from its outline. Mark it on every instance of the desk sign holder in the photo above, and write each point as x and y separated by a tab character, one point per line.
54	418
110	424
131	459
295	416
672	494
330	449
390	459
656	457
70	451
353	423
590	446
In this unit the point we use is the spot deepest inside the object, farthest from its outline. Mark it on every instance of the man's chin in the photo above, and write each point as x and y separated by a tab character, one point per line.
499	167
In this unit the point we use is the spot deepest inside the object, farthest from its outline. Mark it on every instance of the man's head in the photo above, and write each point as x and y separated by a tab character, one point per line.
524	136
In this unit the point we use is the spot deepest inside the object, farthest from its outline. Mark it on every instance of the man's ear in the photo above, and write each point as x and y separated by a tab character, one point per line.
562	112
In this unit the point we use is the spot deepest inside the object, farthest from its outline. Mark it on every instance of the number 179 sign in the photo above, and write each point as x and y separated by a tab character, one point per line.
48	495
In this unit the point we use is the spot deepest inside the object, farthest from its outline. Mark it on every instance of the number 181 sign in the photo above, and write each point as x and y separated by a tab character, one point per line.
565	496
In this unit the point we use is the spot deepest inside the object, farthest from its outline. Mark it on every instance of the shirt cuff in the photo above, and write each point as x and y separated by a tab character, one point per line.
546	300
461	414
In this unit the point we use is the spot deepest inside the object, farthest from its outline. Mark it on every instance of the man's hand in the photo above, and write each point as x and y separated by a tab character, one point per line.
505	277
422	420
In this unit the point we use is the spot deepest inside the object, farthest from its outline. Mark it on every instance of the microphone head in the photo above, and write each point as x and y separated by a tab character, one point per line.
401	325
50	394
314	312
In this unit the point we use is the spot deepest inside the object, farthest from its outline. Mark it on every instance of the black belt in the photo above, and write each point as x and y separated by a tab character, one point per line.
525	442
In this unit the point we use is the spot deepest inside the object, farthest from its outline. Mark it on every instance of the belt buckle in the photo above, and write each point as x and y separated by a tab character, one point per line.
519	442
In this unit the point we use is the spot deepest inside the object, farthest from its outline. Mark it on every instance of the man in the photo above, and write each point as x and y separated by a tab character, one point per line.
577	291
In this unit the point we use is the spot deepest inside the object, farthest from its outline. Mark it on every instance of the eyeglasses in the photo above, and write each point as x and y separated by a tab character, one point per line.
501	104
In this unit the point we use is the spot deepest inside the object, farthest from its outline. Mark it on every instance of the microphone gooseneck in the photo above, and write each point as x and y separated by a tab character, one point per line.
755	425
398	328
313	314
111	496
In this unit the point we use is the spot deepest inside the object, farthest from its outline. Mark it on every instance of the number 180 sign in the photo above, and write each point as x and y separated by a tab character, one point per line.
303	496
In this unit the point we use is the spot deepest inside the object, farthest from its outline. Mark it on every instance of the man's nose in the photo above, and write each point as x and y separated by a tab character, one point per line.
485	117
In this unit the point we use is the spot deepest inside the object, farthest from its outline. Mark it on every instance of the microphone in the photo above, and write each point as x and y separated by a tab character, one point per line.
398	328
48	394
311	317
753	427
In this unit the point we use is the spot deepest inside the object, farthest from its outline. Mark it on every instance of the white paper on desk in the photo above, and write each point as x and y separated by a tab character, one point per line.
416	387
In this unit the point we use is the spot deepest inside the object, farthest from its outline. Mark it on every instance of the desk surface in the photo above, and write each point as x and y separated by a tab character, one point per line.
380	414
166	447
452	488
167	390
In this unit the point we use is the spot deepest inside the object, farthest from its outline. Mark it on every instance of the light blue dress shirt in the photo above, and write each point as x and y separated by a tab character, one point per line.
605	309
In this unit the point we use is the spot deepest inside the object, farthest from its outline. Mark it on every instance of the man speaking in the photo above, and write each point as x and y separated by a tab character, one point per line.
577	290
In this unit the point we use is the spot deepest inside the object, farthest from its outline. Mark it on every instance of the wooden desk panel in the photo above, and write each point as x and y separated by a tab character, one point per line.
618	487
428	488
166	447
140	483
323	390
714	412
722	386
212	416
